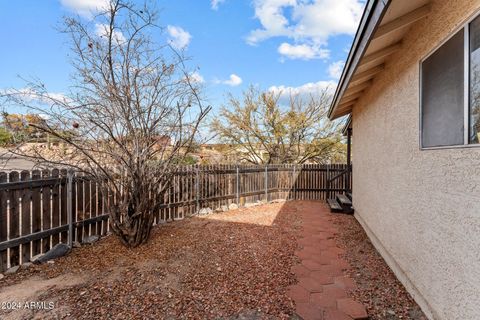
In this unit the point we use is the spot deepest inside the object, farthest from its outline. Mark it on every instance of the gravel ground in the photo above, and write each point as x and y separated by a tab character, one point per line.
233	265
378	289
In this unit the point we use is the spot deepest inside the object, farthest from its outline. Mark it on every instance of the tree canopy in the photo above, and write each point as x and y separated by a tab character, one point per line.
131	115
260	129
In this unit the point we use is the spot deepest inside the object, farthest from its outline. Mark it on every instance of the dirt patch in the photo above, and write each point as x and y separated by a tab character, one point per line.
17	299
233	265
378	289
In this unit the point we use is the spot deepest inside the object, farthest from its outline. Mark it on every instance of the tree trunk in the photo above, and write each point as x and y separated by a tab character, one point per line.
132	231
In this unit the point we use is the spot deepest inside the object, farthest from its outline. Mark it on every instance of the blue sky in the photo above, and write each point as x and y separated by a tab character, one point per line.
283	45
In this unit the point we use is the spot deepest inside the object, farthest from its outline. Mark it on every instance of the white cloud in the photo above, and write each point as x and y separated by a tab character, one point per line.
216	3
103	31
271	16
85	8
303	51
29	95
305	91
179	38
335	69
196	77
309	22
233	81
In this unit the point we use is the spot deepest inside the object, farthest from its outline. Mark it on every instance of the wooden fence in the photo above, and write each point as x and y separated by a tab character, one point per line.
39	209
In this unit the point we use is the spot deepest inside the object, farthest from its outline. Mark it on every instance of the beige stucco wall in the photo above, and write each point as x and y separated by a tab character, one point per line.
420	208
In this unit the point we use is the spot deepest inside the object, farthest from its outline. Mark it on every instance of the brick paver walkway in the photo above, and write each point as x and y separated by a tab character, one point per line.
322	289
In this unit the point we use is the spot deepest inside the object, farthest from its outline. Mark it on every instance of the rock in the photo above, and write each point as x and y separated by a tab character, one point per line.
12	270
224	208
34	259
250	204
59	250
26	265
51	262
391	312
415	313
205	211
255	315
76	244
278	201
90	240
233	206
219	209
1	276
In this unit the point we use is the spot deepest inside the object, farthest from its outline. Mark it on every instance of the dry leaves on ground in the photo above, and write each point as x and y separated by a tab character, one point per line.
229	265
233	265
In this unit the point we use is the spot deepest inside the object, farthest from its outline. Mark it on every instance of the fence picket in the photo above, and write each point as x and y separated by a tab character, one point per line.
3	221
14	215
55	206
36	213
46	211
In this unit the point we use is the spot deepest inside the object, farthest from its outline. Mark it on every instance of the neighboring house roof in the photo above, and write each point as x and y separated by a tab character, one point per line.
383	25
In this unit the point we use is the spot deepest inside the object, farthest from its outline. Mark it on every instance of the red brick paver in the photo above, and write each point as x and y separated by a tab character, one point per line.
322	288
352	308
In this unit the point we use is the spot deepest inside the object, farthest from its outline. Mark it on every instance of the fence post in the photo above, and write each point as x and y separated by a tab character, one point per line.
238	186
294	180
328	181
266	183
197	190
69	207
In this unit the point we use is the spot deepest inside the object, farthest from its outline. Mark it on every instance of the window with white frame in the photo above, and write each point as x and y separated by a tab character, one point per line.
450	91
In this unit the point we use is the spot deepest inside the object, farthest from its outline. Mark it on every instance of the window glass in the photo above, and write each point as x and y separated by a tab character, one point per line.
474	132
443	95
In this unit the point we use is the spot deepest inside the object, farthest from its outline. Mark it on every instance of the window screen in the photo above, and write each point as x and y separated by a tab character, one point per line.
474	132
443	95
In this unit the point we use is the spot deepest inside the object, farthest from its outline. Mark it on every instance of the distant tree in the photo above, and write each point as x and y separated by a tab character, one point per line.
260	130
13	122
22	126
6	137
33	121
127	91
189	160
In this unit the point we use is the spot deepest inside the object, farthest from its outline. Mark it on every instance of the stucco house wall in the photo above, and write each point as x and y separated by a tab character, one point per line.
421	208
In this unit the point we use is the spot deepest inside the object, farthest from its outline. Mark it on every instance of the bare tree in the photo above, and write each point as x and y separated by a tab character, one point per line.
260	130
131	114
